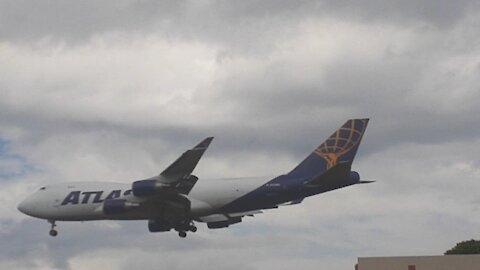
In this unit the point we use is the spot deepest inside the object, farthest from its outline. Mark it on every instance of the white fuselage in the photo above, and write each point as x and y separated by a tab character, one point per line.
77	201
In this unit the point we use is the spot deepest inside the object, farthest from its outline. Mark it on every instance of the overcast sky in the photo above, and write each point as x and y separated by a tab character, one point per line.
116	90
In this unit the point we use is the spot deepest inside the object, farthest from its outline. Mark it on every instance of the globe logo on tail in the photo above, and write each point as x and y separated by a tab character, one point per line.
342	141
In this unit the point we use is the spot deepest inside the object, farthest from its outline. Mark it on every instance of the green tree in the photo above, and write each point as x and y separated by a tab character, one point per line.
465	247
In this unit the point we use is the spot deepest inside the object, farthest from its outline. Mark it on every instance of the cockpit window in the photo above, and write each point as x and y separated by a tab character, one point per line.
42	188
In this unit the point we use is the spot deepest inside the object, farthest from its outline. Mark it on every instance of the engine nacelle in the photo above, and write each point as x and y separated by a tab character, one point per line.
159	225
117	206
149	187
154	186
143	188
224	224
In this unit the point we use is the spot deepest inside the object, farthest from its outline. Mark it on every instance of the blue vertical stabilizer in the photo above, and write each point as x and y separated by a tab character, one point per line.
339	148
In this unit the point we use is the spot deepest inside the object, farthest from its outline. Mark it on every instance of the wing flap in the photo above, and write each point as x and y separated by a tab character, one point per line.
248	213
227	217
292	202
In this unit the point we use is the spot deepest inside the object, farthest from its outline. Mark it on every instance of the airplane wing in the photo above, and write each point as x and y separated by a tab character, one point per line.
177	177
166	193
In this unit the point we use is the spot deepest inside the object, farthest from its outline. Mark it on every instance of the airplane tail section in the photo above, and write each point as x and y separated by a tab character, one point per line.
338	151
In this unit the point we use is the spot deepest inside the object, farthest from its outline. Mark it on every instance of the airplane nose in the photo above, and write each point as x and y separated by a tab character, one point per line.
25	207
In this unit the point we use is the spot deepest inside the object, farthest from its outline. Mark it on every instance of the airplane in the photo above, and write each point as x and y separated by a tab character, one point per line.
175	199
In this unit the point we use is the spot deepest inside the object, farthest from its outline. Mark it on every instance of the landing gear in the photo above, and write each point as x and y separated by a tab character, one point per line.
192	228
185	227
52	232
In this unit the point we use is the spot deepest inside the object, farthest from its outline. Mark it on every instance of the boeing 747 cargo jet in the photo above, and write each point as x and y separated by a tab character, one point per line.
175	199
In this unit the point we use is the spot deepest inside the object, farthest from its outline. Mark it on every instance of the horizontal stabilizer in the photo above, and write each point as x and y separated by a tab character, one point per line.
365	182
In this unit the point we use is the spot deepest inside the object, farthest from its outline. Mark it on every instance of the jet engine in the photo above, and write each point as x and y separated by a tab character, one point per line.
117	206
143	188
150	187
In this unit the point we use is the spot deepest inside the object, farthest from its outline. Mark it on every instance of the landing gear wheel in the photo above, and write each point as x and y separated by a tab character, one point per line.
182	234
192	228
52	232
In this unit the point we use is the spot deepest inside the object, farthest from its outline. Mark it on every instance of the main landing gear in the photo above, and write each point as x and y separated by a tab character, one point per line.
184	227
52	232
182	234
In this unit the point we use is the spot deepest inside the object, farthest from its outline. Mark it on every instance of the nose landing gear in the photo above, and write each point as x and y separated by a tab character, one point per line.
52	232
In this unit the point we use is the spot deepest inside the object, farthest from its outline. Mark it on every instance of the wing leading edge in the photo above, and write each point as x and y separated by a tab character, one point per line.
186	163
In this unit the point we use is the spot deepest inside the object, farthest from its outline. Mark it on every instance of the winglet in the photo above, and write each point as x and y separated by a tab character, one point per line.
366	182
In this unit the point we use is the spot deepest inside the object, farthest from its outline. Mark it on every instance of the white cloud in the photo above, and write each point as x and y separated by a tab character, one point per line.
113	78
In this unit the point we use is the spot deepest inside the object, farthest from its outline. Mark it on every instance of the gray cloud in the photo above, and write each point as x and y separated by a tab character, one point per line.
242	22
439	13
